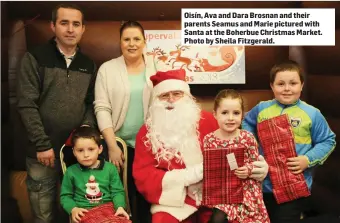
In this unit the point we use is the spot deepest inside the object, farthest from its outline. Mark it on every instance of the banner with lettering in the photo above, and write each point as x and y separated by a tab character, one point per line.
203	64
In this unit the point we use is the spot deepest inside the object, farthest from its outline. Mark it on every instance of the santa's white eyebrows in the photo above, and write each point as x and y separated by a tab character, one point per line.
173	92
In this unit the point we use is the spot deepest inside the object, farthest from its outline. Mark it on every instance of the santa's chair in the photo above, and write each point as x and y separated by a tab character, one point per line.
67	159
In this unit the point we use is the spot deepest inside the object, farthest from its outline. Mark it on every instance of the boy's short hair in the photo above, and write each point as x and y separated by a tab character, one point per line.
87	133
288	65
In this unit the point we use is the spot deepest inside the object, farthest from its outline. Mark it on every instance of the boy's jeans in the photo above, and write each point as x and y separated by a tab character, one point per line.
42	189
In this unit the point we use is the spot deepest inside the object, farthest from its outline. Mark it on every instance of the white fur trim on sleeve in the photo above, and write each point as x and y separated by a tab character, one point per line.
173	189
170	85
180	213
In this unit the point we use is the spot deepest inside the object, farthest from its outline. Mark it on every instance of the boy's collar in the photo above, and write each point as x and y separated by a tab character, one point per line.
290	105
100	167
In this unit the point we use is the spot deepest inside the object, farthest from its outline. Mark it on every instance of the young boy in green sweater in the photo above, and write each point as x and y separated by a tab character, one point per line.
92	181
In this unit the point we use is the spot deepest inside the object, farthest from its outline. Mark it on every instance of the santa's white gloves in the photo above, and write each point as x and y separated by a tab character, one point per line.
193	174
195	192
260	169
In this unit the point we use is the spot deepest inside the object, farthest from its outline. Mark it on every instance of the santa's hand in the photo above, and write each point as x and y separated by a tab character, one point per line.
77	213
195	192
193	174
260	169
121	212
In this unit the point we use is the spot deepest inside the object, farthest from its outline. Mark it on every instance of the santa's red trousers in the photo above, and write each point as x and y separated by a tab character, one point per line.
201	216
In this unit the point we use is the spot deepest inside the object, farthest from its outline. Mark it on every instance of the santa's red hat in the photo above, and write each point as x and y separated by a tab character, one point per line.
91	180
172	80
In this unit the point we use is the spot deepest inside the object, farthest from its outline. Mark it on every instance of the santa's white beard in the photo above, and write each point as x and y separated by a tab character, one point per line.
170	132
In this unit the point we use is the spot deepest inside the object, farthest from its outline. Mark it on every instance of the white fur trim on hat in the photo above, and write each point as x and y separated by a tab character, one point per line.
171	85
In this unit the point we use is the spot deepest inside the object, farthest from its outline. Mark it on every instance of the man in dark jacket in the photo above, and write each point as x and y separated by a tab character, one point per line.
55	95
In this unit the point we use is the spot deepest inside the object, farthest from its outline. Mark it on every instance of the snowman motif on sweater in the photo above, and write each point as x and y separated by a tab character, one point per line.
93	193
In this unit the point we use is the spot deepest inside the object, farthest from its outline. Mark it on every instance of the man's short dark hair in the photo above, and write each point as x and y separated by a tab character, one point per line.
86	132
66	6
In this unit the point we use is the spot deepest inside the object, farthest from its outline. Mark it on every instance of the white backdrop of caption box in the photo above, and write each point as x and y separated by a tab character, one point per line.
284	27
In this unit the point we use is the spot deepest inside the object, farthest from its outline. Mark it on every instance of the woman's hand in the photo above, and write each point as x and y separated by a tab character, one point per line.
116	157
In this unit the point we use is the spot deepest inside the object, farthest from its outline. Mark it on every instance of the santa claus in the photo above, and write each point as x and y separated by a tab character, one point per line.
93	193
168	167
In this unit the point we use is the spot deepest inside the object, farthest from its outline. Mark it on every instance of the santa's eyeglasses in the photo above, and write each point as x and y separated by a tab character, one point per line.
171	94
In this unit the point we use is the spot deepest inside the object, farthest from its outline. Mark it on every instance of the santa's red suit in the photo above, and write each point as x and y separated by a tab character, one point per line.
163	183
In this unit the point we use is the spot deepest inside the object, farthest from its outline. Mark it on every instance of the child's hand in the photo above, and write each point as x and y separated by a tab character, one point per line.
121	212
242	172
77	213
297	164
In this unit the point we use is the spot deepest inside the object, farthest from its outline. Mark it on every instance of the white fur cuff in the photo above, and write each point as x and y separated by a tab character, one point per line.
173	189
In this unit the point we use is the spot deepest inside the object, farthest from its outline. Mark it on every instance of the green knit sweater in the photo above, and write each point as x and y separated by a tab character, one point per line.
86	188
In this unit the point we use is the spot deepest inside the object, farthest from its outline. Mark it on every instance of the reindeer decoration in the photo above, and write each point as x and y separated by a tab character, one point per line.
154	52
161	55
225	53
185	60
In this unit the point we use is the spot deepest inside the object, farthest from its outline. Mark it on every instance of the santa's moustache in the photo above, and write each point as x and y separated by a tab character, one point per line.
171	131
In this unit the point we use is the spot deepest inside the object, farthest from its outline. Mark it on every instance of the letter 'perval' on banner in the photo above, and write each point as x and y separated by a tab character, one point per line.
277	26
232	161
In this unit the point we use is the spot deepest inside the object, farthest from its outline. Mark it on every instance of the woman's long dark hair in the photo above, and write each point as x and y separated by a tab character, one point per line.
131	24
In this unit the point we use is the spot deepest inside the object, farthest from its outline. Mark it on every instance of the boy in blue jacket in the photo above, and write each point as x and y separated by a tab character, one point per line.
314	140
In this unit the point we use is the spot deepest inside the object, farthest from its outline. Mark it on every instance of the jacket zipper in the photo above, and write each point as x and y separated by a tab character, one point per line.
284	107
67	68
68	75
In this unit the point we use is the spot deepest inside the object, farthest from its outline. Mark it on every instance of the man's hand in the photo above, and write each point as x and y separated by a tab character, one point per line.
297	164
242	172
121	212
260	169
116	157
77	213
46	158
